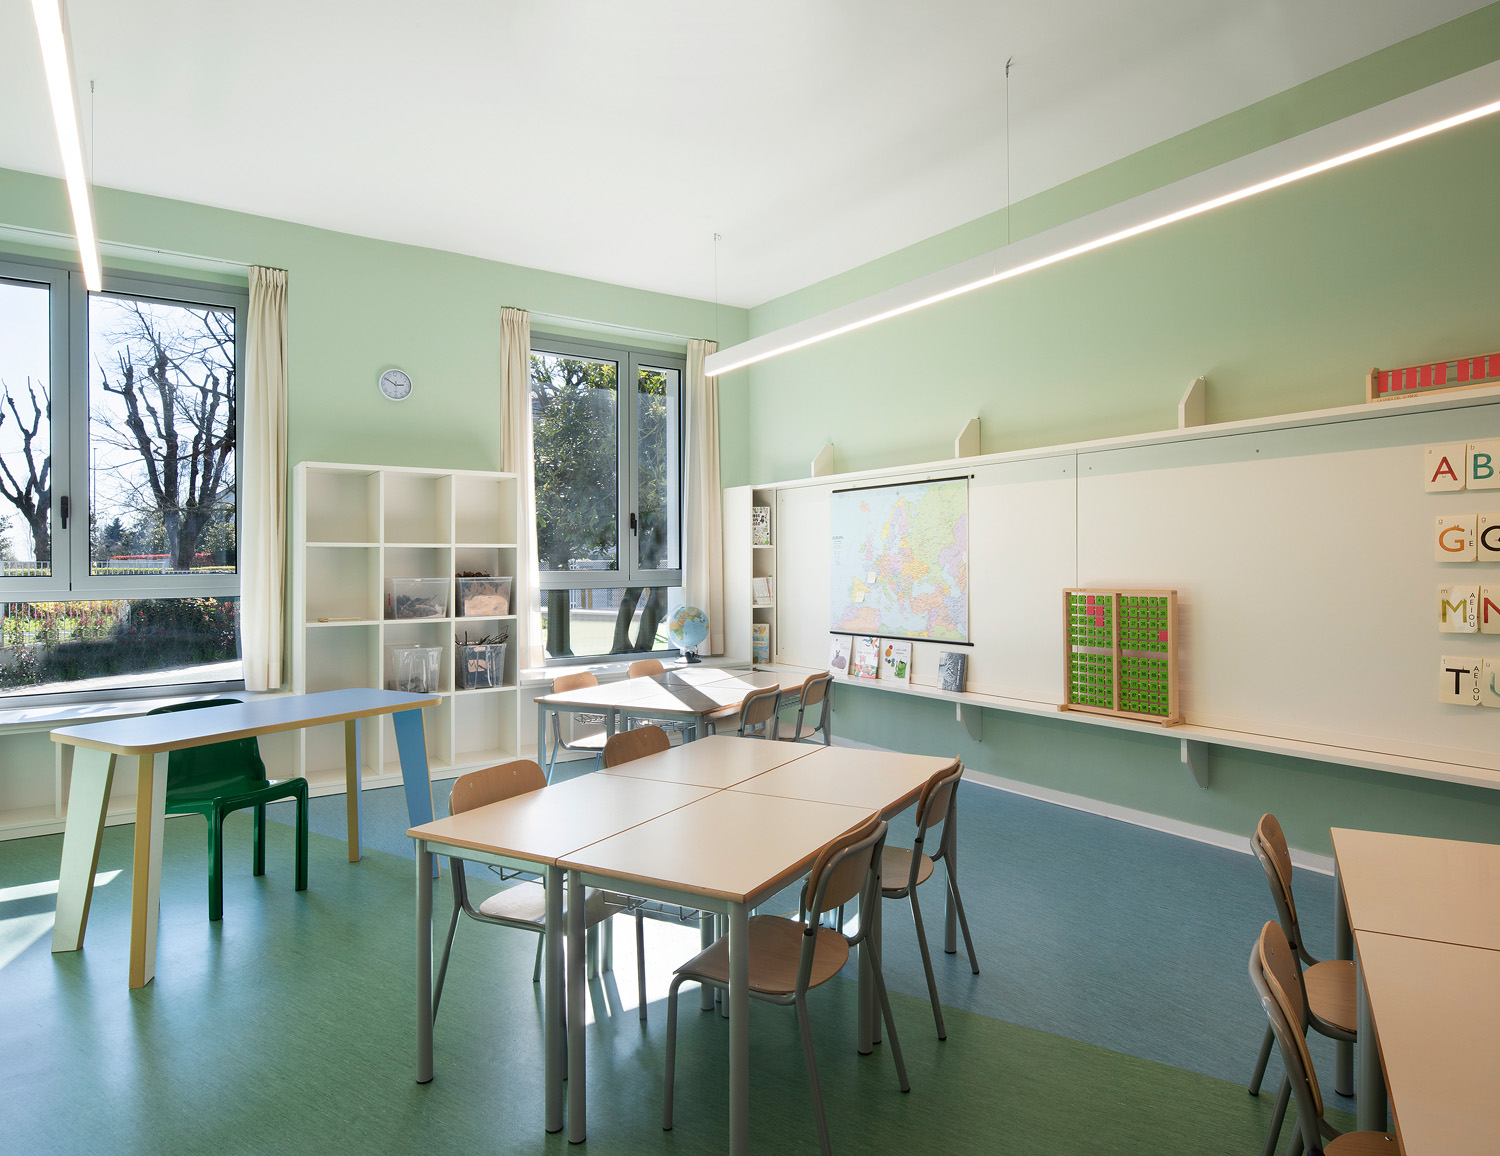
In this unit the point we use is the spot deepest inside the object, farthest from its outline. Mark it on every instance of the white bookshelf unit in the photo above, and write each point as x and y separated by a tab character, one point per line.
743	562
356	527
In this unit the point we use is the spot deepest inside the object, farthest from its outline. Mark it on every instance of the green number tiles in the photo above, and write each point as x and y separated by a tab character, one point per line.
1120	656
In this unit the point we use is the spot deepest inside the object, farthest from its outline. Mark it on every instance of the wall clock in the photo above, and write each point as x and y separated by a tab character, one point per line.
395	384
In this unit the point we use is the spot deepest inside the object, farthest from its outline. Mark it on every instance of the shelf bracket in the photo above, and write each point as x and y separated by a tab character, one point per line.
966	445
1195	759
1193	408
823	463
970	718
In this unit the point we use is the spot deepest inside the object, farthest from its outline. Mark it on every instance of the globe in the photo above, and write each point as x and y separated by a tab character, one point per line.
688	628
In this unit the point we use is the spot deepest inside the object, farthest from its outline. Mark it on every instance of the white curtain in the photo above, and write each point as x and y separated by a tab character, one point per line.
703	554
262	550
516	457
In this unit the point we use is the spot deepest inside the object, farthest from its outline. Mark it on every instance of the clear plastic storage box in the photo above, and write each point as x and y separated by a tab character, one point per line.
416	597
479	666
483	597
415	668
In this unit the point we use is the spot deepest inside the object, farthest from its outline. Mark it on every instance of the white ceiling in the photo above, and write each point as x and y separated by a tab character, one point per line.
612	140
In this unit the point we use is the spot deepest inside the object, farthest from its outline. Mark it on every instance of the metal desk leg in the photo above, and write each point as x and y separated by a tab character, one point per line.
552	999
866	996
739	1030
145	883
352	786
541	736
950	915
578	1123
425	860
88	797
1343	948
415	779
706	923
1370	1109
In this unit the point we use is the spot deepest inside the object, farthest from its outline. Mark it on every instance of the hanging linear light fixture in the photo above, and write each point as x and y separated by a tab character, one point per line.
52	30
1073	240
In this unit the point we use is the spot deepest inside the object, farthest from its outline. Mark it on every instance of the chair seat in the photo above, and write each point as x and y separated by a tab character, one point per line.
594	742
775	951
727	712
1365	1144
1331	993
202	797
527	903
895	870
789	732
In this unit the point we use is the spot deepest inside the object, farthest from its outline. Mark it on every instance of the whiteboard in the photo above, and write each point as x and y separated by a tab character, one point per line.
1303	559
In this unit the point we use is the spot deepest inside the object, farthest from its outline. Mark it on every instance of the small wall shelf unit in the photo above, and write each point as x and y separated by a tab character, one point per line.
358	527
745	560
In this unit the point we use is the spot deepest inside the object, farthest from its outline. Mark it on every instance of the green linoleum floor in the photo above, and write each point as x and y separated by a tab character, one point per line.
289	1027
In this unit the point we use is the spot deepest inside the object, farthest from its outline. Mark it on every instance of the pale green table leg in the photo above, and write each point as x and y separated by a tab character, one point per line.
352	786
88	796
145	883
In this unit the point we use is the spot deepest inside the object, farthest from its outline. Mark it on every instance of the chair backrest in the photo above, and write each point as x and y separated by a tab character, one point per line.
1274	972
236	759
566	682
635	744
1269	845
492	784
645	667
815	688
939	796
842	870
759	710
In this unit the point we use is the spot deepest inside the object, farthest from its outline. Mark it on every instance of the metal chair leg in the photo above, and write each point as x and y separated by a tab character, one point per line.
216	866
1278	1117
437	989
302	839
885	1010
1261	1061
609	944
536	968
812	1076
963	921
937	1008
670	1073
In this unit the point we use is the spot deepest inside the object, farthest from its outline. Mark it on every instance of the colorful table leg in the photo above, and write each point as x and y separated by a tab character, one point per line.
145	883
415	779
88	797
352	786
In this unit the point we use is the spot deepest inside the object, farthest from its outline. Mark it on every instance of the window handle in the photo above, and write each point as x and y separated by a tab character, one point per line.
65	512
632	518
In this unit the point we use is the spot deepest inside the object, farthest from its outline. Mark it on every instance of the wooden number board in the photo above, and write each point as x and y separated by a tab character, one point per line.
1121	653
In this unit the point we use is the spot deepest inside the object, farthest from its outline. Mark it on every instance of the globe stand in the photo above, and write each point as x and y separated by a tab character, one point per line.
690	656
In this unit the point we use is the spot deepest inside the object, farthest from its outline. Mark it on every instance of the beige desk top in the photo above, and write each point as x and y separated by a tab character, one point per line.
730	845
1440	889
672	692
883	781
717	761
543	825
152	734
1437	1011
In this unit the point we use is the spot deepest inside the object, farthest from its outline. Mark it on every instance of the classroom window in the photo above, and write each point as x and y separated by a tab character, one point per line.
119	463
607	434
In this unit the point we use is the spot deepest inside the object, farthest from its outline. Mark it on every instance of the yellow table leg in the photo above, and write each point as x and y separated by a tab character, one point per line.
352	785
88	797
145	885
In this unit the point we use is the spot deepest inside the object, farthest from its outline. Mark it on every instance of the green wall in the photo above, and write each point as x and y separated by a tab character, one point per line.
1283	302
357	306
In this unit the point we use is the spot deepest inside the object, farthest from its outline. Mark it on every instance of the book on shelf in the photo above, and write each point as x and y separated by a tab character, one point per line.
760	642
760	525
953	666
838	655
895	661
866	662
761	591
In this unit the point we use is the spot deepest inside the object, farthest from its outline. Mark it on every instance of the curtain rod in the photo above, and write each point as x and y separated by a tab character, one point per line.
586	323
53	240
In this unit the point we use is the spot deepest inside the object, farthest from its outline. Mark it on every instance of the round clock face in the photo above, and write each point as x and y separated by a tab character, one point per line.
395	384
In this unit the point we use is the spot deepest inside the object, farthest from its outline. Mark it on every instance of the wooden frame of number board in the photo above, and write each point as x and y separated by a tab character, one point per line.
1120	654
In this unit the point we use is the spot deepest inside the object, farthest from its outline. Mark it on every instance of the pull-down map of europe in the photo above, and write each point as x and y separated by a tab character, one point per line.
900	562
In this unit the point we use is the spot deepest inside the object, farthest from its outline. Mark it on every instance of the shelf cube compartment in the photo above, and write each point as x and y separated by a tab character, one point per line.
484	509
408	598
483	597
342	505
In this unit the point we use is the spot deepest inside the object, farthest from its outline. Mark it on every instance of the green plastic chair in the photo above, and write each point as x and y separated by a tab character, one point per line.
219	778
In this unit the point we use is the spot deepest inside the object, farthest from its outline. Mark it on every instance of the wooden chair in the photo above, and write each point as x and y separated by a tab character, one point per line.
757	713
790	957
635	744
903	871
1325	988
817	688
591	742
524	905
1277	976
645	667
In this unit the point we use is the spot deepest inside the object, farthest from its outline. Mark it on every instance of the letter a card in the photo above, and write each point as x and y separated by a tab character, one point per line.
1446	466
